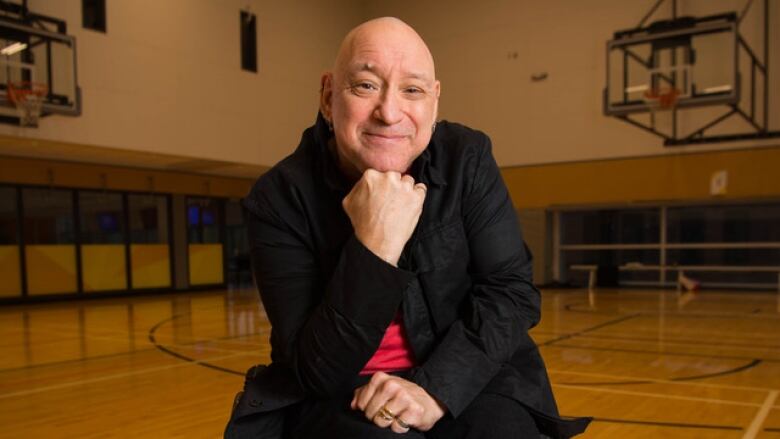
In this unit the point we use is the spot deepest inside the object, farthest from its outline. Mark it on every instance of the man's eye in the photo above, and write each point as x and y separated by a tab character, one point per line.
364	88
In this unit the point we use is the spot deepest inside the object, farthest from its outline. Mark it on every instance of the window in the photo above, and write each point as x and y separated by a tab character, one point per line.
8	216
93	13
736	223
102	240
204	230
150	255
248	41
629	226
101	218
49	241
148	219
725	245
10	268
48	216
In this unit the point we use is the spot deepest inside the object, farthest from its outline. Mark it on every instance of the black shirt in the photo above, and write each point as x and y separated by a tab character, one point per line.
463	282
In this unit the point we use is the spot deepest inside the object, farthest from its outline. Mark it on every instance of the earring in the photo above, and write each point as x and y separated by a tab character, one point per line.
433	128
330	125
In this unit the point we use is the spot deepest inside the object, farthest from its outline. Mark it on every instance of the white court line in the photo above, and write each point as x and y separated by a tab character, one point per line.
656	395
116	376
660	381
758	421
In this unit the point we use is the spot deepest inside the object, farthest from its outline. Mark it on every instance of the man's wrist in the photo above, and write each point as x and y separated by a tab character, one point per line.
378	247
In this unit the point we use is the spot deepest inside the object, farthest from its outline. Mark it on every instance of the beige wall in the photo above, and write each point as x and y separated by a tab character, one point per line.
560	119
166	77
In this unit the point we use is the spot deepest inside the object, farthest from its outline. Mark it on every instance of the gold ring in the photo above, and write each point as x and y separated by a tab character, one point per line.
383	413
401	423
387	411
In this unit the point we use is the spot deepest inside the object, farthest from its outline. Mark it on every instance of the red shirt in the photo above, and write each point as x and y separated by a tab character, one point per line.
393	353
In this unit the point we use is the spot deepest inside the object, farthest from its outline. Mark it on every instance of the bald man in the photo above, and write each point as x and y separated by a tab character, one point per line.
390	263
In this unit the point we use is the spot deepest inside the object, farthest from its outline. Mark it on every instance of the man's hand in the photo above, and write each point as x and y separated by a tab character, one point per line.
384	208
390	401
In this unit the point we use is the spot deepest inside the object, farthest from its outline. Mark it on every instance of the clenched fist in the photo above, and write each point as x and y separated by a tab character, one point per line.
384	208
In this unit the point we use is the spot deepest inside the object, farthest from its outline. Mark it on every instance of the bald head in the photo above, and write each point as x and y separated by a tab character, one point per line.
386	34
381	98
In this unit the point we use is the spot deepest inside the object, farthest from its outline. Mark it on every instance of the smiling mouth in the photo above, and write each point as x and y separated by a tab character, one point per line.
385	137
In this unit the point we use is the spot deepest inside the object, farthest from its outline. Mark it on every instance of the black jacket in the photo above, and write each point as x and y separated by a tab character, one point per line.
463	283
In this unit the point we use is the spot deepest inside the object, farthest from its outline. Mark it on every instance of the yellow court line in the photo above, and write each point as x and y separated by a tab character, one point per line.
656	395
661	381
117	376
758	421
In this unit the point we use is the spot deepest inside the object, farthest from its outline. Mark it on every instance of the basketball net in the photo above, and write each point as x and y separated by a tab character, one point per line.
28	99
661	98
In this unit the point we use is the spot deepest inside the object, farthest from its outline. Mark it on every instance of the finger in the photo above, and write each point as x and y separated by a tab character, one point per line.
383	419
353	404
368	390
408	179
384	392
421	187
399	426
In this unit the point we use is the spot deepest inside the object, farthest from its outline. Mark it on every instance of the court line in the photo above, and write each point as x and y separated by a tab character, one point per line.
734	370
661	381
758	421
592	328
115	376
573	307
151	348
668	424
702	341
152	338
660	396
663	354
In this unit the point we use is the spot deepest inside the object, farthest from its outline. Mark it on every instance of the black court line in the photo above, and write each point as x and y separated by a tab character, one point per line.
165	350
772	430
175	354
669	424
675	341
738	369
694	315
119	354
666	354
592	328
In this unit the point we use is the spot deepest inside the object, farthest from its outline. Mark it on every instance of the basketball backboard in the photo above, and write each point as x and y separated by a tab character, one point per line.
694	57
694	77
36	54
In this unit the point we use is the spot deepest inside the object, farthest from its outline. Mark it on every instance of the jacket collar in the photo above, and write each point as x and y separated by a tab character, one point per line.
422	169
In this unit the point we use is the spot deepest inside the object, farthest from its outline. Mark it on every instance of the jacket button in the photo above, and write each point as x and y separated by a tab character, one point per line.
255	403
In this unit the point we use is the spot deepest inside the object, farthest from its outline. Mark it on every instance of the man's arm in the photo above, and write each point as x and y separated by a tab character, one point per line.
326	330
502	305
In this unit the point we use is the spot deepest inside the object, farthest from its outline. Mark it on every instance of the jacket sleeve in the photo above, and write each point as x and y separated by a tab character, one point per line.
502	304
324	330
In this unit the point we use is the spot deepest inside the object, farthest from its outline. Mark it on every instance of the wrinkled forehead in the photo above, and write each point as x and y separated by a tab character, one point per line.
382	50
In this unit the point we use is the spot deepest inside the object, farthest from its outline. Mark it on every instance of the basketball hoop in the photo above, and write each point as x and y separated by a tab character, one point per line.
28	98
661	98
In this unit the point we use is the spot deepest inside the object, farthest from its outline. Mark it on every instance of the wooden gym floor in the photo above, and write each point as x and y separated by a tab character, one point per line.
643	363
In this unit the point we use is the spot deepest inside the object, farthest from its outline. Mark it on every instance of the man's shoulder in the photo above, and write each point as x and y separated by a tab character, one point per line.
293	171
452	138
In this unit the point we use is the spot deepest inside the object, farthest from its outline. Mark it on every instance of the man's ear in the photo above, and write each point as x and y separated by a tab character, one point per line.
326	95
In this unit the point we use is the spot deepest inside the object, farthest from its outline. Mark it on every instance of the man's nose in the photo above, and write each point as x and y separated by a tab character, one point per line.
388	109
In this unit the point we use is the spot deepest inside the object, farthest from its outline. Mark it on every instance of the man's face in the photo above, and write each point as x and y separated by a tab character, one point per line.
382	99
